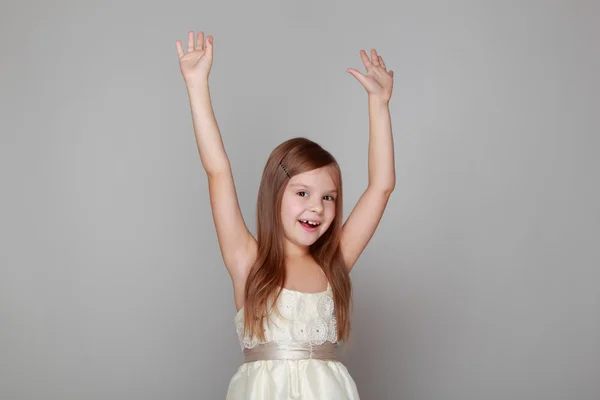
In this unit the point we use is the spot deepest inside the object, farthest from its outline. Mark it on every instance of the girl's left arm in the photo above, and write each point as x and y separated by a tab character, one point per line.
364	218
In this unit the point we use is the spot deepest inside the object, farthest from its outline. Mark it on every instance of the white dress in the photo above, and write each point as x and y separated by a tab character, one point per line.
308	318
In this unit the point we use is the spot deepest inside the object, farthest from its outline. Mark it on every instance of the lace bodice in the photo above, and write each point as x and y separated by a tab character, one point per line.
305	318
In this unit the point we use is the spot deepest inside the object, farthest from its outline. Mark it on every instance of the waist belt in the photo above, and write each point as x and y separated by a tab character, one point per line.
275	351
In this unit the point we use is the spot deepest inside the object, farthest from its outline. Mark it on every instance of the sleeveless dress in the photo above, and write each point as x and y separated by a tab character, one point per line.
306	319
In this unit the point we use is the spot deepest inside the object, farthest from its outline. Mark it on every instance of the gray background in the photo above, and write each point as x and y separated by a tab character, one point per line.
481	282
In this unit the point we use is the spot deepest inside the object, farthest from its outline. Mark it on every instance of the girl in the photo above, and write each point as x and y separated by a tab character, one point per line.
291	285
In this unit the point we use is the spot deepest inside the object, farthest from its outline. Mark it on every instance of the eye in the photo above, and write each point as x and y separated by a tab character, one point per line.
302	194
329	198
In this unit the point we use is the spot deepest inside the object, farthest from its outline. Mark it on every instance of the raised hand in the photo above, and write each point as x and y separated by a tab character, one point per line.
378	82
196	63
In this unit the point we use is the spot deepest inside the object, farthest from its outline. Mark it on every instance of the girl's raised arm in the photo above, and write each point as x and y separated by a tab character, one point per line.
238	246
364	218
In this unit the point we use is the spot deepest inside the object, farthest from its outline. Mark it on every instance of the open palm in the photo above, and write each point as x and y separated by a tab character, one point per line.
378	81
195	65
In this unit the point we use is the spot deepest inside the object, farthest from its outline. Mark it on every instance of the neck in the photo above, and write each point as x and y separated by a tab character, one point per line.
291	250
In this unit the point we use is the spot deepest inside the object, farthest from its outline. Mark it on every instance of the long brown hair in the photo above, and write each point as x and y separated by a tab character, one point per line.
267	276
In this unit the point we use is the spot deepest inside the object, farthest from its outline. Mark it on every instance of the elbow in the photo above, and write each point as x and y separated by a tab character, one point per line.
389	184
218	170
385	188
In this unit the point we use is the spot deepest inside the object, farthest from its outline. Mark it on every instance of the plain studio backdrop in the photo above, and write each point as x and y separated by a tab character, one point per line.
481	282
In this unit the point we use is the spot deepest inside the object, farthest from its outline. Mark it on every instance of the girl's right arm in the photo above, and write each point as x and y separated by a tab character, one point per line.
238	246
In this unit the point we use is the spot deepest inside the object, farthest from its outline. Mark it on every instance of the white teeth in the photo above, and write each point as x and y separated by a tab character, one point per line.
310	222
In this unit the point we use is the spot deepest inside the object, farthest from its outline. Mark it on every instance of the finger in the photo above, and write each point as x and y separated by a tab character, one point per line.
392	73
209	47
374	57
365	59
381	62
180	52
200	41
190	41
360	77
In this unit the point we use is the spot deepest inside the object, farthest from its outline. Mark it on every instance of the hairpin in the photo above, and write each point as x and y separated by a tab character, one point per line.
284	170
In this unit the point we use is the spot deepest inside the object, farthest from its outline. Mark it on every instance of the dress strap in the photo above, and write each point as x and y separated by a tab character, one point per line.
275	351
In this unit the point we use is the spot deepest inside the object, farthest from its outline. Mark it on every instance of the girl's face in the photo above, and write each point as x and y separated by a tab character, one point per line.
308	206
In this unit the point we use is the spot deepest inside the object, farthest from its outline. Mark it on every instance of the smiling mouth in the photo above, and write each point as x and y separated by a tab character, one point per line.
309	225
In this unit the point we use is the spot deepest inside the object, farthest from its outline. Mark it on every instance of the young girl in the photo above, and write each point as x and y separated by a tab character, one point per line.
291	285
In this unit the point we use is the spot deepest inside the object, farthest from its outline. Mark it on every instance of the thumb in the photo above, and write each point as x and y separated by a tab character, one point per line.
357	75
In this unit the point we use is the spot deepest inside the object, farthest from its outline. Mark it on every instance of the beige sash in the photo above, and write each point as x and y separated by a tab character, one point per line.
275	351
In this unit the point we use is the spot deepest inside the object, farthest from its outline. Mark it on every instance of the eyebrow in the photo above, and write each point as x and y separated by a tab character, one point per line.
310	187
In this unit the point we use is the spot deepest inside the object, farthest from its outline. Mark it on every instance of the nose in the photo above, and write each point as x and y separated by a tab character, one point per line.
316	206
